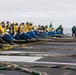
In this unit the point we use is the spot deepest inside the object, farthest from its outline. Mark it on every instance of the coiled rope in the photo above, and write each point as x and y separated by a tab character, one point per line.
10	66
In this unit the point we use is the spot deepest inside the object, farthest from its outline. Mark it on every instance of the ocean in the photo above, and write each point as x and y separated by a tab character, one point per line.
67	31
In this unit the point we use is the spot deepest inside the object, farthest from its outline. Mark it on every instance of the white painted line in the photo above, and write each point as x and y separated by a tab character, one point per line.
29	59
39	54
27	47
12	52
19	52
53	63
19	58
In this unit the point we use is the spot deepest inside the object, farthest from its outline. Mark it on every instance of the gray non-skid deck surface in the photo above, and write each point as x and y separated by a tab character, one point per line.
55	48
58	59
51	48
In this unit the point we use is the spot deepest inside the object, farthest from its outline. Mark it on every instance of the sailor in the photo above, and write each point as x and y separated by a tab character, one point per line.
16	30
30	27
8	28
3	25
32	31
74	31
7	25
12	28
46	27
1	32
50	27
1	29
22	27
15	27
38	29
60	29
26	26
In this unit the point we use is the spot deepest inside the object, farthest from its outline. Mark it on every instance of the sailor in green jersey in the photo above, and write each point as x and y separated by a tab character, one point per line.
60	28
74	31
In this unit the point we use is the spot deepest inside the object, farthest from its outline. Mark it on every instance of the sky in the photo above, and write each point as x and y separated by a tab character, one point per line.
39	12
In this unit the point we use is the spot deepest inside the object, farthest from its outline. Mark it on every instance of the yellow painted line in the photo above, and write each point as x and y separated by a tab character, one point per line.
29	44
23	44
6	48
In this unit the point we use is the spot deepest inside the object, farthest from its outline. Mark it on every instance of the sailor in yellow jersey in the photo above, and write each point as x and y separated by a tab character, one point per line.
22	29
30	27
26	26
1	32
1	29
15	27
16	30
8	28
31	30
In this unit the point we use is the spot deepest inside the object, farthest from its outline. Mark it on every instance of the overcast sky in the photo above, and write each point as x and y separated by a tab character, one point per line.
39	11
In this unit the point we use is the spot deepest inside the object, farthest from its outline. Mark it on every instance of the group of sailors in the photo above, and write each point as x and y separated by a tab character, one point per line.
14	31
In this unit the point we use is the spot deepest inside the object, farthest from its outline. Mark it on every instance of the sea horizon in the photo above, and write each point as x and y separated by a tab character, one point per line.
67	31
